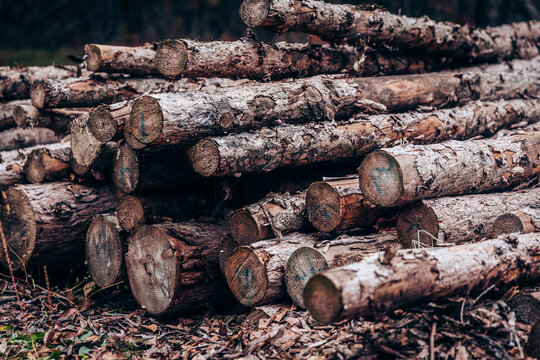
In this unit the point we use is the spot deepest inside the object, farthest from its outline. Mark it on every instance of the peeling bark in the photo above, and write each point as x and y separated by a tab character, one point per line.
16	138
137	60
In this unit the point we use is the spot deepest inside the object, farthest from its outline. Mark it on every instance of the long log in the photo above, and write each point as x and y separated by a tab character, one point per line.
273	216
7	120
403	174
16	138
174	267
293	145
338	23
310	260
59	120
138	60
187	117
46	223
372	286
428	222
106	122
49	163
522	221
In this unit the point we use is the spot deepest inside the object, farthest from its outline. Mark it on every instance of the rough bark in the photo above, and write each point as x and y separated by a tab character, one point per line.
174	266
338	204
337	23
429	222
523	221
15	82
372	286
16	138
189	116
137	60
310	260
49	163
273	216
106	122
59	120
403	174
293	145
46	223
105	248
532	347
7	120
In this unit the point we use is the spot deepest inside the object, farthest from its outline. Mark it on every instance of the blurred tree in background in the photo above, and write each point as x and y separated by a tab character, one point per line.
39	31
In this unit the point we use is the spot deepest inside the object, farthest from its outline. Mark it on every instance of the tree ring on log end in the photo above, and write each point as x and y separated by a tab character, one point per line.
205	157
225	120
171	58
102	124
103	251
125	169
246	276
323	205
93	57
416	222
301	266
381	179
34	170
244	229
146	119
18	223
507	224
152	276
322	299
254	12
130	213
37	94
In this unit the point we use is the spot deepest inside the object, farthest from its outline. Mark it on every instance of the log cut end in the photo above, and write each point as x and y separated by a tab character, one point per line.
130	212
37	94
323	205
25	115
254	12
244	229
508	224
102	124
85	148
104	250
381	179
93	57
152	271
246	275
34	168
417	226
171	58
301	266
323	299
205	157
125	172
17	220
146	119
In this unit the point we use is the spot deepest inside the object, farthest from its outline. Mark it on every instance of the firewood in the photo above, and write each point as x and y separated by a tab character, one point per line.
337	23
48	163
106	122
174	266
294	145
524	221
7	121
59	120
137	60
20	138
457	219
371	287
187	117
46	223
273	216
307	261
403	174
12	164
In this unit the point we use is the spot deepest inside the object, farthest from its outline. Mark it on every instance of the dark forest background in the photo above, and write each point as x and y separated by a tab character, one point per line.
38	32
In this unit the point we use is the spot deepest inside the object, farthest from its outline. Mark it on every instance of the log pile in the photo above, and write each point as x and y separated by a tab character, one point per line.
202	172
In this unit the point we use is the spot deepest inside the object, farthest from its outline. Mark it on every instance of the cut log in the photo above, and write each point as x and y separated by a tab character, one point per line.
339	23
294	145
149	208
308	261
372	287
403	174
106	122
105	248
46	223
49	163
525	221
427	222
227	248
273	216
59	120
137	60
337	204
13	139
15	82
7	120
174	267
189	116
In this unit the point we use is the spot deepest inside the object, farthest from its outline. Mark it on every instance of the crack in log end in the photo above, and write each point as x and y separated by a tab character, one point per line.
146	119
205	157
37	94
102	124
417	226
301	266
381	179
254	12
243	227
323	204
323	299
246	275
93	57
171	58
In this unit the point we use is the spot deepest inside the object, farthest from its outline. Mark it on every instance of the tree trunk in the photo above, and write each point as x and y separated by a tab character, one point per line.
15	82
524	221
46	223
106	246
175	267
294	145
7	120
337	204
106	122
15	138
339	23
310	260
372	287
12	164
458	219
403	174
49	163
59	120
273	216
137	60
187	117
